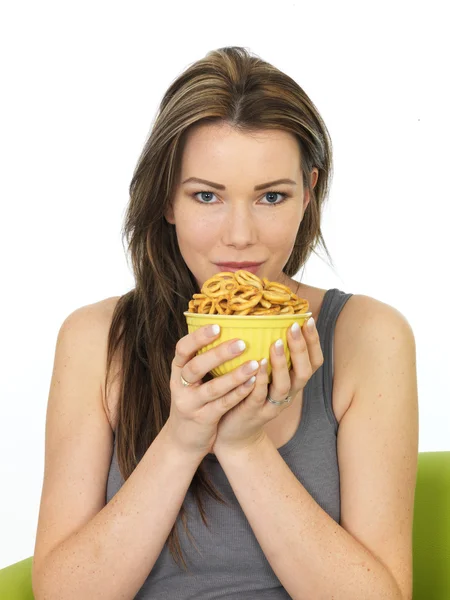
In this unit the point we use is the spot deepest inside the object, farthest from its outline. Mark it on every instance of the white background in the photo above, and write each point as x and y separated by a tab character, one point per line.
81	83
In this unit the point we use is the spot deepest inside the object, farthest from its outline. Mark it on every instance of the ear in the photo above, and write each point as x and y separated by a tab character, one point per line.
169	216
314	178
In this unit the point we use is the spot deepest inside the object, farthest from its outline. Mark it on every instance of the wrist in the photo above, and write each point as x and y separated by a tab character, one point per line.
247	447
180	453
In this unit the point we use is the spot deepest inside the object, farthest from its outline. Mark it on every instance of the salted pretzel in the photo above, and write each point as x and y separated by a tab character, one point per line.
220	285
244	293
246	278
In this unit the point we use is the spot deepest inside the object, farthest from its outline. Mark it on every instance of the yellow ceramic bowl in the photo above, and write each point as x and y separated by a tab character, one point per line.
258	333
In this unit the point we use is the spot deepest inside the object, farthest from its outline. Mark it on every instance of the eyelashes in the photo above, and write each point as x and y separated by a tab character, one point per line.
284	198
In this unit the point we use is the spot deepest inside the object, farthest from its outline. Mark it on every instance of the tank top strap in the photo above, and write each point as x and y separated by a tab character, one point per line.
333	302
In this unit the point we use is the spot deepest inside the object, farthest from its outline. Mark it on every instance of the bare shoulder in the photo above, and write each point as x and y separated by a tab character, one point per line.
95	313
362	330
95	321
367	315
367	327
105	310
107	307
359	312
90	323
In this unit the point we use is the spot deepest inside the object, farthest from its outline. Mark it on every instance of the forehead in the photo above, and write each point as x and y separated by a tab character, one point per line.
213	147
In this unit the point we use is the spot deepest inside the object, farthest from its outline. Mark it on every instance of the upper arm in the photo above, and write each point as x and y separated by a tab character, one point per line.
78	436
378	440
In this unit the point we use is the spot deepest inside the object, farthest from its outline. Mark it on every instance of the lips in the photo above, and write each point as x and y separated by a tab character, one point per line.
242	265
251	267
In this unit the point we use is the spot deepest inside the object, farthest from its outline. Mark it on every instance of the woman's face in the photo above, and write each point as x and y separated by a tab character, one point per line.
238	223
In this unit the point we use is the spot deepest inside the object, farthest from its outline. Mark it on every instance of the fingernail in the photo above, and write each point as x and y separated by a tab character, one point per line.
251	366
213	330
263	365
295	330
310	324
279	347
238	346
250	381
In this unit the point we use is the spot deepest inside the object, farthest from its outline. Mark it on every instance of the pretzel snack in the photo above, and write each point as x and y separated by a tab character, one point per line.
244	293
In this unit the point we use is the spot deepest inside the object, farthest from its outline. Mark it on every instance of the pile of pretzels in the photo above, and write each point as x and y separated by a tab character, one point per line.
244	293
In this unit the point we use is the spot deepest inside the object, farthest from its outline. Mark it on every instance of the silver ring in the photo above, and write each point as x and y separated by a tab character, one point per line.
184	382
285	401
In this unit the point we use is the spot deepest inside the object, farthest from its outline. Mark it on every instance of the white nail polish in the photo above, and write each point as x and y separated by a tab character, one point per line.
279	347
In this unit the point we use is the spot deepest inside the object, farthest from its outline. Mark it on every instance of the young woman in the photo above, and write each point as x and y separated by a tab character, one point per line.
164	482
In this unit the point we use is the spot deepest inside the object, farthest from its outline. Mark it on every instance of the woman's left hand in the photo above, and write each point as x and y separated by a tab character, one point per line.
242	426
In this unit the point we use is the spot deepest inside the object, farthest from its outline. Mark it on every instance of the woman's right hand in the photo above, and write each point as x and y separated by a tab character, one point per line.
196	410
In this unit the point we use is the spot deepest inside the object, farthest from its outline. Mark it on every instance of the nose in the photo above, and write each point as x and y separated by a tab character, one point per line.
239	227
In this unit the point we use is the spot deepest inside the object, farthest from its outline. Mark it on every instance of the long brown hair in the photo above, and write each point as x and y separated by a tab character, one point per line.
228	85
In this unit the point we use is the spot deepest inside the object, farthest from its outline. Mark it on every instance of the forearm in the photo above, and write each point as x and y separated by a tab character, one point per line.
112	555
311	554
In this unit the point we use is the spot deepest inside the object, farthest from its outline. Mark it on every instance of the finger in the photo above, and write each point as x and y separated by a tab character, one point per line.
219	387
225	402
311	336
259	393
301	365
256	395
198	366
191	343
305	362
194	367
281	381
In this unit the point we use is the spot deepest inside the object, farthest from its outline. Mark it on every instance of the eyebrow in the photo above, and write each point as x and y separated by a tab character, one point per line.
219	186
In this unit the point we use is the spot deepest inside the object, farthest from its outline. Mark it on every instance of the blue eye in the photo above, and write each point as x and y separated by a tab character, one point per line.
284	197
280	194
196	194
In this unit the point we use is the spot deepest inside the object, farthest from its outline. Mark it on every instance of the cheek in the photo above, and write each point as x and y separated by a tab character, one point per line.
196	232
281	233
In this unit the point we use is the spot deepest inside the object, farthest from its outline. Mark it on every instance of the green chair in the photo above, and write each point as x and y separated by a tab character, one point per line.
15	581
431	537
431	528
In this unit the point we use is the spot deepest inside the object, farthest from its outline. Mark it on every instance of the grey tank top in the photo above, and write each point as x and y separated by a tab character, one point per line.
228	562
